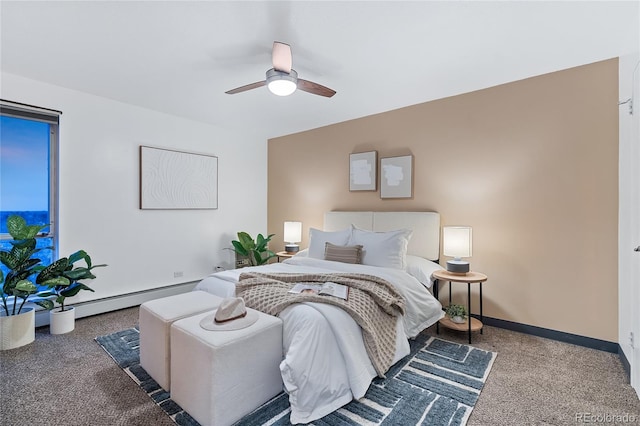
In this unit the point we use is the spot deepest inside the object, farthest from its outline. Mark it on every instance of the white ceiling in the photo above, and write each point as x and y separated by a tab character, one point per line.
179	57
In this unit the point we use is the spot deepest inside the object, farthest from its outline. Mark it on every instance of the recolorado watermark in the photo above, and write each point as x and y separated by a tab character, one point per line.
607	418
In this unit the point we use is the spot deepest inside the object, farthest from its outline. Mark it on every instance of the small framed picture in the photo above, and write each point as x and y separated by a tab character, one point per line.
396	176
362	171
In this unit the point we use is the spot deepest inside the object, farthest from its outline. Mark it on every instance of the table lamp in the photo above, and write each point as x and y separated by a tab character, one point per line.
457	243
292	235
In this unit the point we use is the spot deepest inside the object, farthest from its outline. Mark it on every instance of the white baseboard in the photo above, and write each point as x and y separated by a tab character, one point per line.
115	303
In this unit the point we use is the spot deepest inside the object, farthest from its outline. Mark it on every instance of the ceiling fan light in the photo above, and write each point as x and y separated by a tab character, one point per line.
281	83
282	87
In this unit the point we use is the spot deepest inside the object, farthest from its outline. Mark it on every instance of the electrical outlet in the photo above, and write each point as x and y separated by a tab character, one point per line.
177	274
631	342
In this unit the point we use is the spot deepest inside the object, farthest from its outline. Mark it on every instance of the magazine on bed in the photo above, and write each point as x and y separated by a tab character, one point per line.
327	289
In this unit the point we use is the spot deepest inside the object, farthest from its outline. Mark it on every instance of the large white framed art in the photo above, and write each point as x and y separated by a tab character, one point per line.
396	176
362	171
171	179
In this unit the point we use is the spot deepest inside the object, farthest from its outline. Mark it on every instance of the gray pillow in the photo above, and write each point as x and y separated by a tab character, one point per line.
344	254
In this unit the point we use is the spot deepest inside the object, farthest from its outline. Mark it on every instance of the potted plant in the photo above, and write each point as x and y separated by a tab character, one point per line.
256	251
63	279
457	313
17	321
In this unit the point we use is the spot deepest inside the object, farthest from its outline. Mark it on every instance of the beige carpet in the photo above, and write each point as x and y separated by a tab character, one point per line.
69	380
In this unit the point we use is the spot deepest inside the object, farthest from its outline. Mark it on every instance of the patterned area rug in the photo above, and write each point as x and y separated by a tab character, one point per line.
437	384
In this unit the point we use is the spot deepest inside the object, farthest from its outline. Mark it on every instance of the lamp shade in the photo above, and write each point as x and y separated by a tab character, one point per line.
292	232
457	241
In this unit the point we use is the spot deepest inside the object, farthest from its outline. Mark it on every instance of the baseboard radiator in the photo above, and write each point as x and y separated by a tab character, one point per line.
100	306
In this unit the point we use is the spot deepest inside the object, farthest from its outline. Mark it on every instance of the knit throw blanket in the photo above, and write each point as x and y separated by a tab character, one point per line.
373	303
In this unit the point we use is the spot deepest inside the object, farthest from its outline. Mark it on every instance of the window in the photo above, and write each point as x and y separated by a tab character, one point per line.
28	171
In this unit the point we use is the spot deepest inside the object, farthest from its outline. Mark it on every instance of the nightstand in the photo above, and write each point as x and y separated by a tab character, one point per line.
471	324
284	255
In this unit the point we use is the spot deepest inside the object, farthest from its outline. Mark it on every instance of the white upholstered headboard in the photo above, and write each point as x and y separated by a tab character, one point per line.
424	242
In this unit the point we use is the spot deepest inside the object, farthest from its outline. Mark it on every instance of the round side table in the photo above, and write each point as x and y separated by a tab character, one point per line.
471	324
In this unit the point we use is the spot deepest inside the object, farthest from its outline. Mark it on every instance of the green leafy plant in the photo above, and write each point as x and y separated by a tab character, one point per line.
456	311
256	251
21	263
61	278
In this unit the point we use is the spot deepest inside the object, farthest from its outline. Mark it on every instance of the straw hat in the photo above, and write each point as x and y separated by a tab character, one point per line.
231	315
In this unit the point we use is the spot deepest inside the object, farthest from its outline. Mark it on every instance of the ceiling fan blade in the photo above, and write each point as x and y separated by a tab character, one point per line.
281	57
245	88
315	88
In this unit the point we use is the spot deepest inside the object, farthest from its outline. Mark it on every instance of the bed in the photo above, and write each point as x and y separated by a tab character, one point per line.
326	363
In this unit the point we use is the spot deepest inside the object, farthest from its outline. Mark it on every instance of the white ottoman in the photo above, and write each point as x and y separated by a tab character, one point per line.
155	319
220	376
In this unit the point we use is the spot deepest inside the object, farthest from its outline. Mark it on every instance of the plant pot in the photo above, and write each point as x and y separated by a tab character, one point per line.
242	261
17	330
458	319
61	322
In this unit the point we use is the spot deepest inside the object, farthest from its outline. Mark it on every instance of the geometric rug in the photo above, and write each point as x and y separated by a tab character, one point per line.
438	383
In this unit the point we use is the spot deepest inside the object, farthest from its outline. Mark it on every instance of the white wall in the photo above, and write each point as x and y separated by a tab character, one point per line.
99	190
629	212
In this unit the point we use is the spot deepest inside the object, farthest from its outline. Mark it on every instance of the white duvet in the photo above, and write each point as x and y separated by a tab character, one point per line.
326	364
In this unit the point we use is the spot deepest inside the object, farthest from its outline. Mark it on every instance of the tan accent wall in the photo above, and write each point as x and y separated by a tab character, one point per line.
532	166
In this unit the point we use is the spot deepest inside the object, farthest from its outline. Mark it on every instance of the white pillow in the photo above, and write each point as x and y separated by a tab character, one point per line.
421	269
303	253
318	239
384	249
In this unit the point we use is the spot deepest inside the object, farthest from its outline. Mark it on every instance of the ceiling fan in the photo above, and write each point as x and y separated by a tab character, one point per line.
282	80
